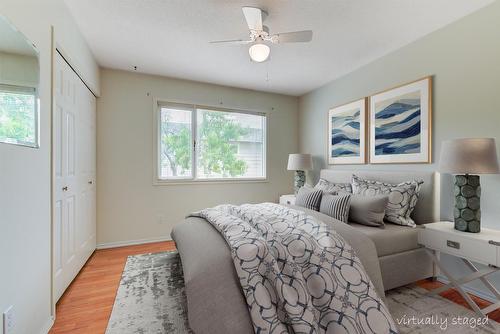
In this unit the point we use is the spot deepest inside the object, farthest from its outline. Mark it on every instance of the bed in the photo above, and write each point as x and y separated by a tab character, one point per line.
215	300
402	260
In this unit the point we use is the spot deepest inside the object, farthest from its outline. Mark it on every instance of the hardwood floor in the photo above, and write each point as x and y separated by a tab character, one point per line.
86	306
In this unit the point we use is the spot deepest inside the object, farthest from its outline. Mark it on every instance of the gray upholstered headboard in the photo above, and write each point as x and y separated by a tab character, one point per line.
427	209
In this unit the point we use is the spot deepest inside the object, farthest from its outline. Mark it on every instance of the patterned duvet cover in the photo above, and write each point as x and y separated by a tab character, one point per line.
298	275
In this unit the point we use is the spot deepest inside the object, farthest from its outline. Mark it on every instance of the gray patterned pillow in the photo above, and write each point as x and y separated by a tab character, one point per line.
336	206
333	188
309	198
403	197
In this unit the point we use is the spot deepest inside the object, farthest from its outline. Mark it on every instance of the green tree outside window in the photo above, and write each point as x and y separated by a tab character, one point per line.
17	117
218	135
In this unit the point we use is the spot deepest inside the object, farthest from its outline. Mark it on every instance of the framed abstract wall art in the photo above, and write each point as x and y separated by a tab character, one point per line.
347	133
400	124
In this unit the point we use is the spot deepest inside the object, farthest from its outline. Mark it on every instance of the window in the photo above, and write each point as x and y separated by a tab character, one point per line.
18	115
176	143
203	144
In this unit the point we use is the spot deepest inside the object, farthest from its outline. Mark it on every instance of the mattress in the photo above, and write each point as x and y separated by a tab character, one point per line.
392	239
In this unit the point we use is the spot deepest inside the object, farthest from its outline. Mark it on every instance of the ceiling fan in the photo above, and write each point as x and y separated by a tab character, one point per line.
259	34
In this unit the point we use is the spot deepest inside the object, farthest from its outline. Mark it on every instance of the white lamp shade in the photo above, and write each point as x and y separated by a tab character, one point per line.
298	161
259	52
469	156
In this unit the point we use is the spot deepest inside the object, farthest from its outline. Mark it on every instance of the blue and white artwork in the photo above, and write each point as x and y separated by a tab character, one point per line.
397	125
400	124
345	134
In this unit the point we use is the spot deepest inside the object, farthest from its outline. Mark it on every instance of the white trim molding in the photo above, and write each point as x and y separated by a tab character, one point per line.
48	325
115	244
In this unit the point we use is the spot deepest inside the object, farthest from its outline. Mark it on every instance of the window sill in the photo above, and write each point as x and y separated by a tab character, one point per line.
209	181
29	145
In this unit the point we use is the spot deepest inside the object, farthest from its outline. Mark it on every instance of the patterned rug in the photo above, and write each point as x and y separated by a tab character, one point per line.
151	300
151	296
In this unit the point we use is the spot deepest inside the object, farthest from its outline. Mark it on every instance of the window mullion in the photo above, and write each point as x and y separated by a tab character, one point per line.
159	143
194	143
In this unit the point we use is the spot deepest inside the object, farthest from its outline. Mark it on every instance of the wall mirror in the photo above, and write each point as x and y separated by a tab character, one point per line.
19	81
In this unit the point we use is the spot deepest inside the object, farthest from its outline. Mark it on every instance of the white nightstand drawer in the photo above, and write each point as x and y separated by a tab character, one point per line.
287	199
498	256
463	246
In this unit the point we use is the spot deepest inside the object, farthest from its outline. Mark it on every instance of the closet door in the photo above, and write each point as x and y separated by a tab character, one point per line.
86	162
74	231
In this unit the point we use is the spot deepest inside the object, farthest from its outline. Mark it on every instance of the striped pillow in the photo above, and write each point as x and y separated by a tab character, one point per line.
308	198
336	206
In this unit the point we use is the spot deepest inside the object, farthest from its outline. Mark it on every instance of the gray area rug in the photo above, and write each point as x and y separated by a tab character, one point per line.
151	300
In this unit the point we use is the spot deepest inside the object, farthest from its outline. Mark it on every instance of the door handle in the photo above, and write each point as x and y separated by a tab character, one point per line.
65	188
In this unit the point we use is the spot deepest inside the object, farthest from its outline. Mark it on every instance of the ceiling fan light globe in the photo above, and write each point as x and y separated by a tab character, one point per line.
259	52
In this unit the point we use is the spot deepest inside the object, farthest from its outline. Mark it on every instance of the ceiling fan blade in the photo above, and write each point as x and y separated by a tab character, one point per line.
253	16
232	42
294	37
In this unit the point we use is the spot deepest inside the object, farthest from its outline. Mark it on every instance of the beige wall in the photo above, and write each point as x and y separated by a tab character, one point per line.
464	59
129	205
19	70
25	270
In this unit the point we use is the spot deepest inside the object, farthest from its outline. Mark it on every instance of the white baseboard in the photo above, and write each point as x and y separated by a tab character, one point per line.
479	293
48	325
131	242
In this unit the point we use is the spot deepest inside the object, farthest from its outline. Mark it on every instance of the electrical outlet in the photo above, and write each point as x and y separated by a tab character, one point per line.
8	320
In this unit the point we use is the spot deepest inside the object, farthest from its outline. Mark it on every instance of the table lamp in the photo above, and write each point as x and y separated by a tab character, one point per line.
299	163
467	158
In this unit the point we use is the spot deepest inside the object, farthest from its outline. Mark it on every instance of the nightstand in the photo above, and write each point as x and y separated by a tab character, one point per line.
483	247
287	199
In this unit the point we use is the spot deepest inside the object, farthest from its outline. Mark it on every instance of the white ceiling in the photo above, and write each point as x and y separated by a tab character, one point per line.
12	41
170	37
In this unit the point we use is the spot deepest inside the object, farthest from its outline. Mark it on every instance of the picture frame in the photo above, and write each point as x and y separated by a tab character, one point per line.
347	133
401	124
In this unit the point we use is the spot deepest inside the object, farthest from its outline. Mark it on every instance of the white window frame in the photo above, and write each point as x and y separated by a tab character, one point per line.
193	179
36	113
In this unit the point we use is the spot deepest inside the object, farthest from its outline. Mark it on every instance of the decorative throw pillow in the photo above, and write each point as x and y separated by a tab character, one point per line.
368	210
336	206
403	197
309	198
333	188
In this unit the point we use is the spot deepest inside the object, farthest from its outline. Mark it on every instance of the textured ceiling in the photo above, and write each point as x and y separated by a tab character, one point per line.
170	37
